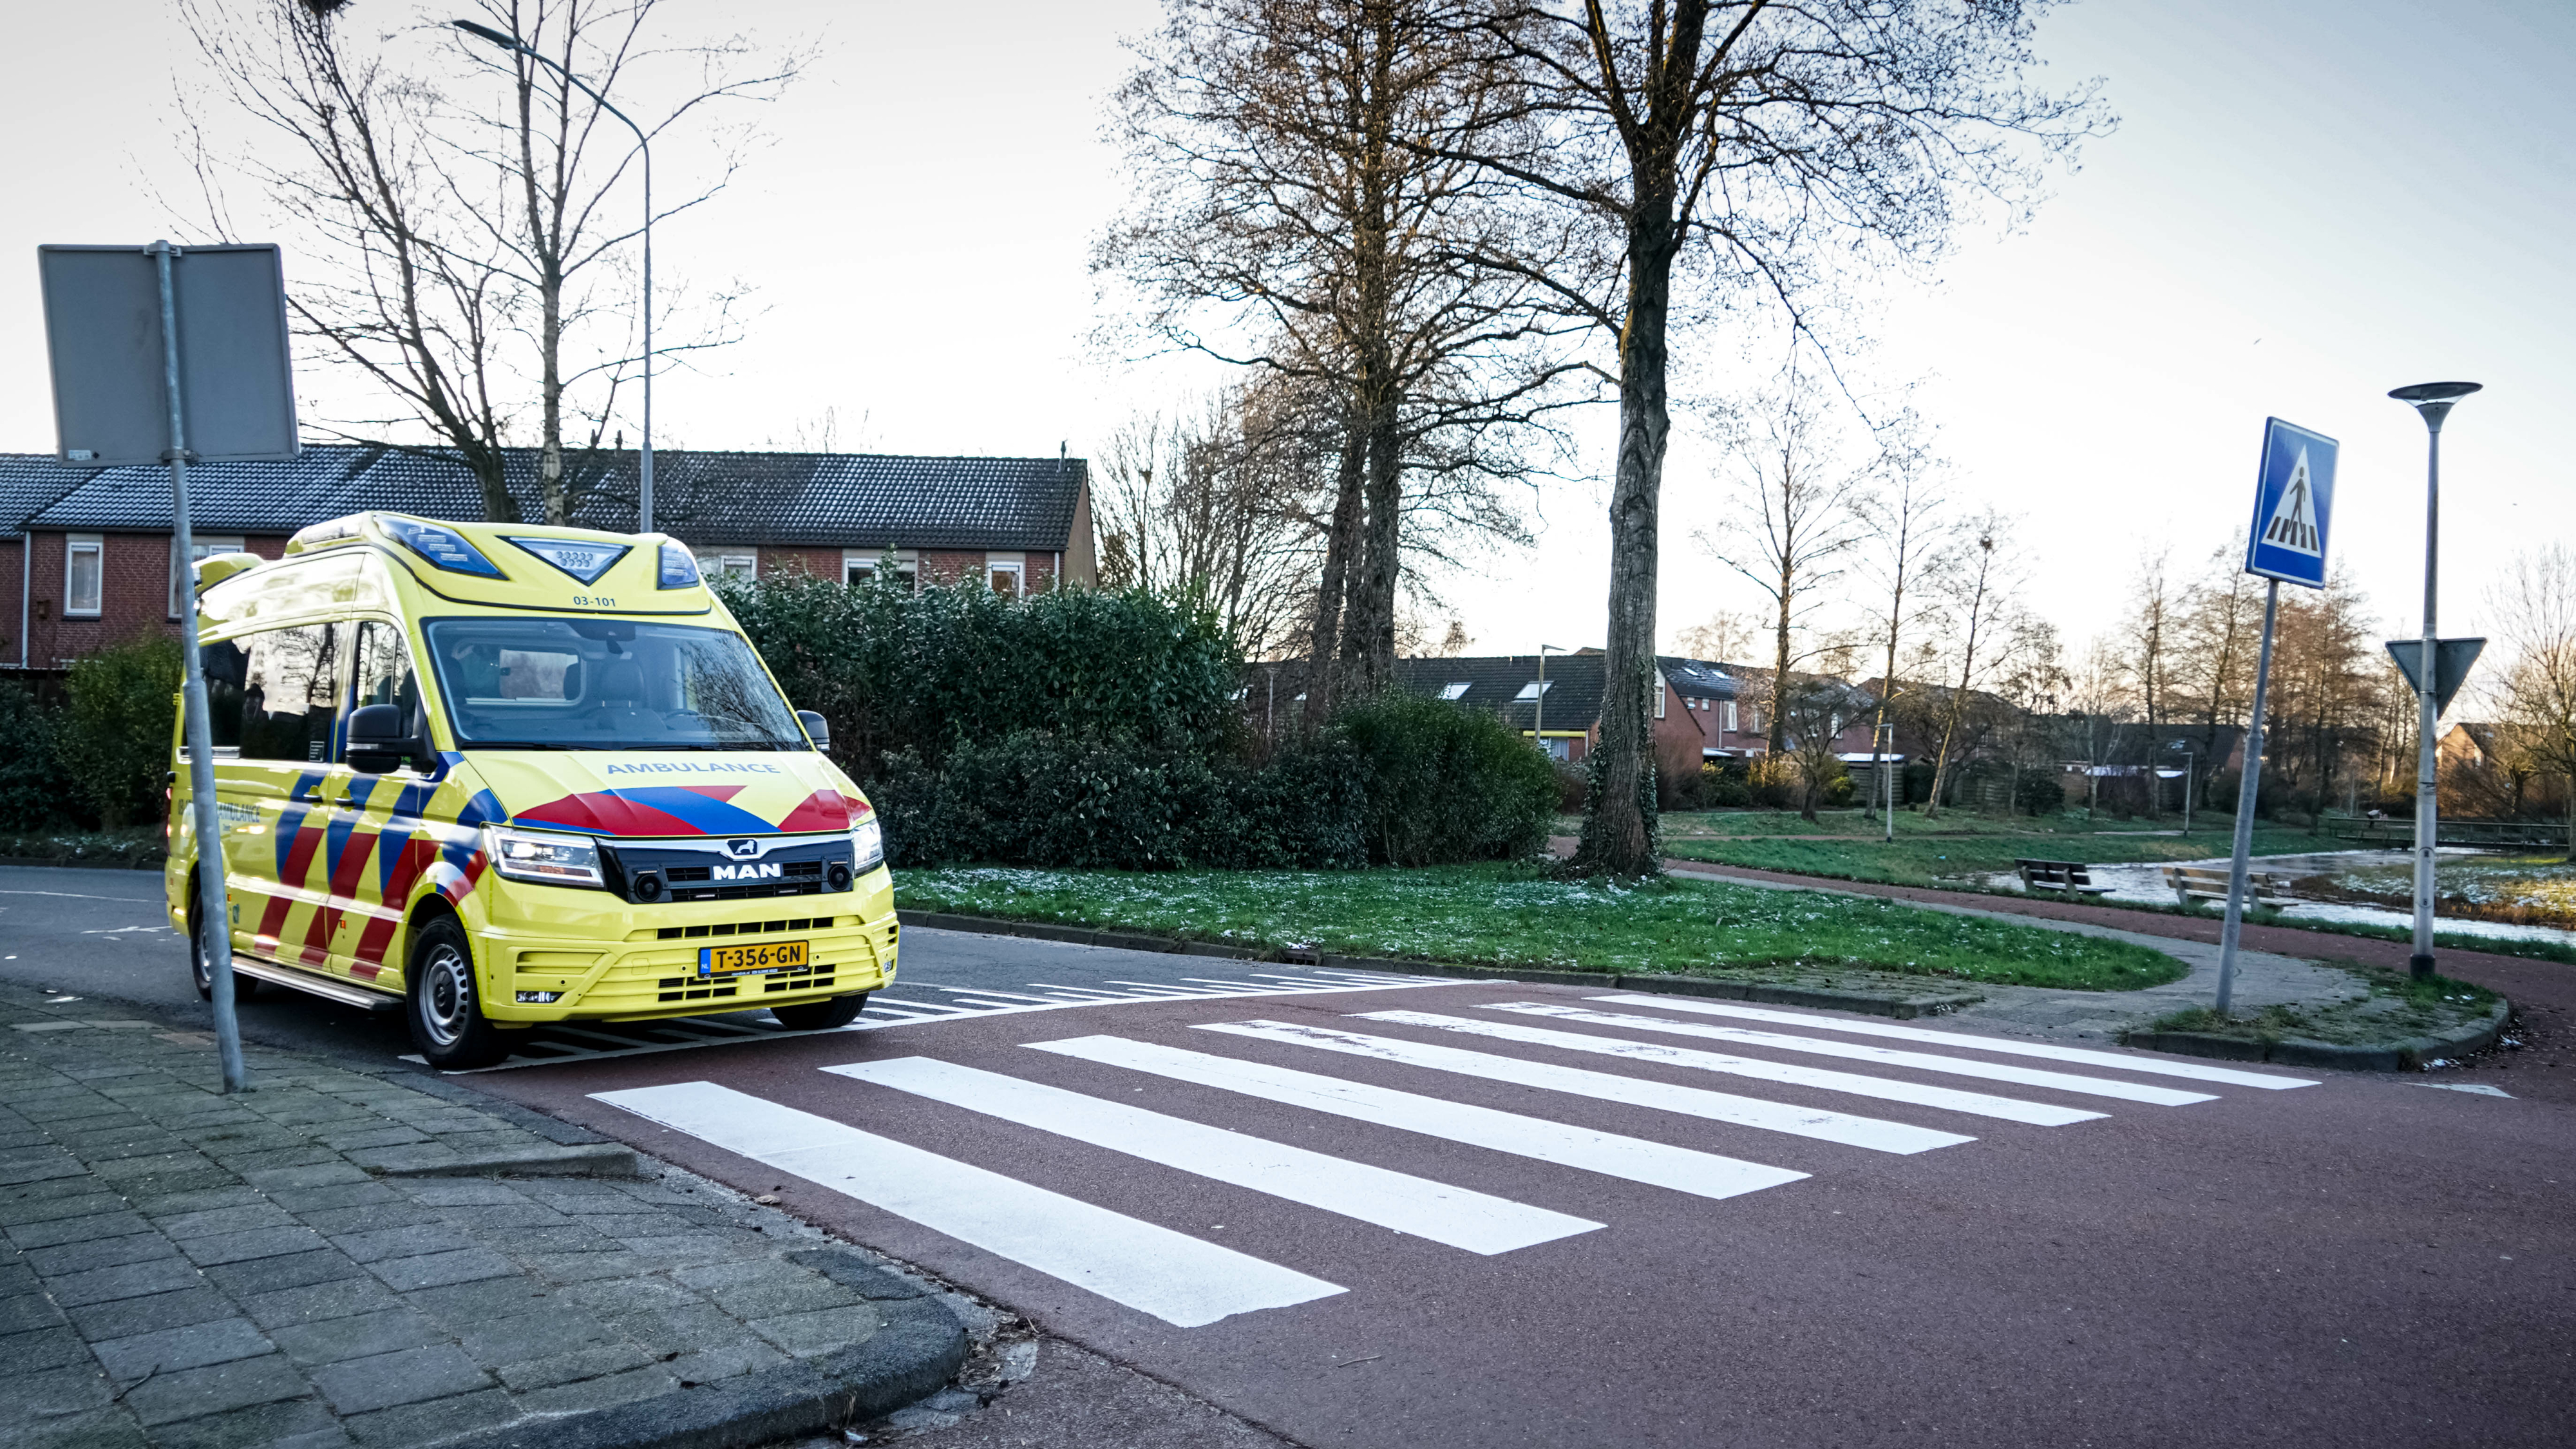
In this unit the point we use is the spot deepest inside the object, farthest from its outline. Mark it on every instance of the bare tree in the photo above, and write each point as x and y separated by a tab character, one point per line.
1745	148
1288	220
1215	505
1813	709
2214	647
1982	600
2099	693
1905	532
1725	638
1797	521
465	246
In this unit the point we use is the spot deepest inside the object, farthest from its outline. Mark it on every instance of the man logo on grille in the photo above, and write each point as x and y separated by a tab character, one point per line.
743	849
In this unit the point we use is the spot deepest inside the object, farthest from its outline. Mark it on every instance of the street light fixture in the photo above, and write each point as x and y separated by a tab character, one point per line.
2433	401
644	144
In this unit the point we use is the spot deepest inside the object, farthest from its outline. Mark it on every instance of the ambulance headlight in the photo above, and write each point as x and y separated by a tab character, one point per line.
551	859
867	846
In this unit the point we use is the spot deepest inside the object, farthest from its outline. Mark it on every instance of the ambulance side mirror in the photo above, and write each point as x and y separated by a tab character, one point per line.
379	739
817	728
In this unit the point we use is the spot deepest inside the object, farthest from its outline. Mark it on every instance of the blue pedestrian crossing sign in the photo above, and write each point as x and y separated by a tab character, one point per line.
2293	506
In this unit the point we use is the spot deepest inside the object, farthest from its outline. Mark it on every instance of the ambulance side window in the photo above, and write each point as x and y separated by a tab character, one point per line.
290	694
384	670
224	662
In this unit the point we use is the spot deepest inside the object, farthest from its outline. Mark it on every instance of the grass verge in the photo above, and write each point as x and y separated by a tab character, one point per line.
126	847
2397	1008
1519	916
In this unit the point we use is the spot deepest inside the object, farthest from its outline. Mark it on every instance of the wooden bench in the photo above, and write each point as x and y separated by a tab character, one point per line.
2066	876
2195	883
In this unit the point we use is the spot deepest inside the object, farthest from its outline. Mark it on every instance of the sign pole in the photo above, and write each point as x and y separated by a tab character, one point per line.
2432	402
214	926
2246	790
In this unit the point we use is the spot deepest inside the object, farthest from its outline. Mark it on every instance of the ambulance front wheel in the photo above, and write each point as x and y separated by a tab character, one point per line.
820	1015
243	986
447	1021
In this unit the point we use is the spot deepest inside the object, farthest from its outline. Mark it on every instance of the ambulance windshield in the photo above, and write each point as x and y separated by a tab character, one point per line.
599	684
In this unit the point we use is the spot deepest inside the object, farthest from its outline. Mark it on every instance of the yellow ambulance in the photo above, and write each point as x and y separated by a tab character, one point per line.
493	775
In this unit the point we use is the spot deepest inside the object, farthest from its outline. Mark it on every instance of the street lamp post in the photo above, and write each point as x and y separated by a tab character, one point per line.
644	144
2432	401
1538	704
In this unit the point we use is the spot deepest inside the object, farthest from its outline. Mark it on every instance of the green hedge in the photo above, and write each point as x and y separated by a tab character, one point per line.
1105	803
101	758
899	671
1446	784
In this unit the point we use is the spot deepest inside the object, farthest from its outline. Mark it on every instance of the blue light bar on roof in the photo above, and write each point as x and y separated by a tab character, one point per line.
444	547
679	566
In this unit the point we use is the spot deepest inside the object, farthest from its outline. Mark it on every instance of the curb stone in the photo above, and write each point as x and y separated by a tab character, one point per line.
1872	1003
919	1348
2385	1056
88	862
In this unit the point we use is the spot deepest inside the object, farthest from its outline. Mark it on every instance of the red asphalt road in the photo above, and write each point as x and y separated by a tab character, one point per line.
2543	993
2364	1260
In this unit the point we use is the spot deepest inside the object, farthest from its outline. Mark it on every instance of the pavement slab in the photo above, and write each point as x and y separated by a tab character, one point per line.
248	1281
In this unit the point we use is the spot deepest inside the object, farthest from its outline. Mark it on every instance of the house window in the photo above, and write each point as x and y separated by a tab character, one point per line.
1660	691
182	576
738	565
1560	749
1535	688
1455	691
858	566
1730	716
1007	573
84	573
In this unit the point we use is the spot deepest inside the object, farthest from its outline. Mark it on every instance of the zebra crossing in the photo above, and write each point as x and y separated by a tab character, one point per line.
554	1043
1188	1280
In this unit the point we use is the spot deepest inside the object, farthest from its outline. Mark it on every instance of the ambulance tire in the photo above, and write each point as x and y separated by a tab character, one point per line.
820	1015
244	987
440	1003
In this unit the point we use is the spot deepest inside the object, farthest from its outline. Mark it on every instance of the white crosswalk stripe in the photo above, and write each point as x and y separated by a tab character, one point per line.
1173	1276
1457	1216
1189	1281
1889	1056
1981	1104
1726	1107
1682	1169
2192	1071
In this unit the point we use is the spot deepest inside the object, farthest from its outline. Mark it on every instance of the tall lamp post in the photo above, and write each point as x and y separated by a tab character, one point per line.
2433	402
643	143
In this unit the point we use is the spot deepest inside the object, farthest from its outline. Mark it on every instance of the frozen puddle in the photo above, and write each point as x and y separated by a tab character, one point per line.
2146	884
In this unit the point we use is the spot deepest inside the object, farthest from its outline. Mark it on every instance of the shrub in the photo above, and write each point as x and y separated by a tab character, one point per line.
1724	787
1773	782
2039	792
1447	784
115	736
1105	802
896	670
35	793
1573	788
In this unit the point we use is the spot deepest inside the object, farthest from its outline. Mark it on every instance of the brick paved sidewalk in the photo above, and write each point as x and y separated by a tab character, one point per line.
186	1268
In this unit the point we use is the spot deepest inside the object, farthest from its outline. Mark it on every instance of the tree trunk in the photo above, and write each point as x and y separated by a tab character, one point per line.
1368	639
1323	642
1619	834
1776	729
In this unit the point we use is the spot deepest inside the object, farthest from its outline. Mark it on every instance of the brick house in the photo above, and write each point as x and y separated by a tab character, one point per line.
87	558
1696	714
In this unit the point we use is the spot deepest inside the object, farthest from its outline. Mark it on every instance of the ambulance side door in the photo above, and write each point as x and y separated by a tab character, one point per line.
386	848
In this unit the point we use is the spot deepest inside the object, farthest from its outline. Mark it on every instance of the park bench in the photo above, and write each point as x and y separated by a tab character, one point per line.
2198	883
2067	876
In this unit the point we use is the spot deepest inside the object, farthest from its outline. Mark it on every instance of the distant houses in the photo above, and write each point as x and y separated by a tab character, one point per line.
87	558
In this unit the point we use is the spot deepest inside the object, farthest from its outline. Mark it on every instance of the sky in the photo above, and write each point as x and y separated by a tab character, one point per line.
2306	203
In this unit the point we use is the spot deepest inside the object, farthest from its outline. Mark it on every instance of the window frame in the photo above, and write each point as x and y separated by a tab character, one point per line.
1535	689
183	574
1016	566
725	564
95	545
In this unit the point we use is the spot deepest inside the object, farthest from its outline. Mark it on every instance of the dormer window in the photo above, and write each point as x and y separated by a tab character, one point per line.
1535	688
1454	691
